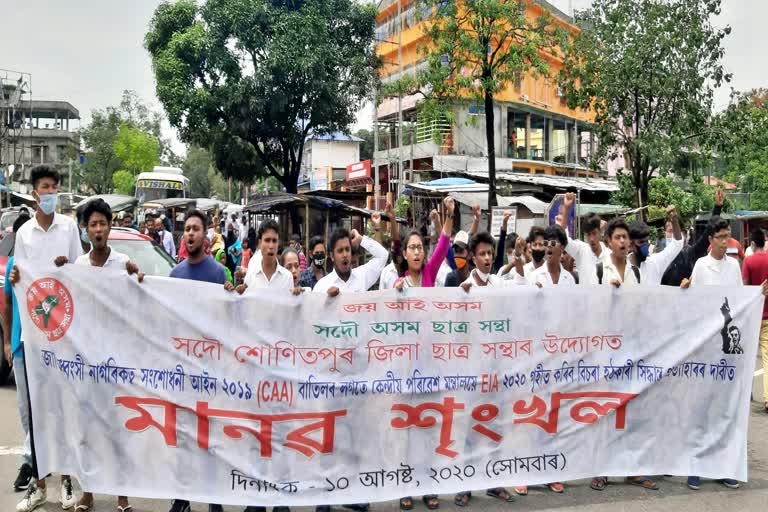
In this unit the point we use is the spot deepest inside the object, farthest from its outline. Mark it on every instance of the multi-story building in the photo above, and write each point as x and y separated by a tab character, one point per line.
535	131
326	157
34	132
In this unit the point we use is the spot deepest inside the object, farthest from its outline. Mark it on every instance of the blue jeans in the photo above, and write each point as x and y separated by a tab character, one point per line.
23	403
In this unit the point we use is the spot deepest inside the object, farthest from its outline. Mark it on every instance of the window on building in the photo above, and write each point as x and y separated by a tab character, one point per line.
426	10
409	17
518	81
559	141
538	138
61	154
516	131
40	154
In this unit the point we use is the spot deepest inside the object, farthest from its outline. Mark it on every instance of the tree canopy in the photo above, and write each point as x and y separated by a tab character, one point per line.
251	78
475	49
648	69
739	136
111	138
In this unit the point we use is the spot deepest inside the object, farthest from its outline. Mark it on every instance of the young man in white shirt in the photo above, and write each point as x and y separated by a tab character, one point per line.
97	218
716	269
481	250
344	277
265	271
538	252
585	254
630	264
552	272
45	237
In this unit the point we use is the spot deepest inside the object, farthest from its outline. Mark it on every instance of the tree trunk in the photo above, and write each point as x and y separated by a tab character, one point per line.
490	140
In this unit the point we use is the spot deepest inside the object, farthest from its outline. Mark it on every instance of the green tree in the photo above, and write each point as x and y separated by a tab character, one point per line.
100	135
100	158
122	182
475	49
138	150
196	167
251	78
648	69
739	136
366	147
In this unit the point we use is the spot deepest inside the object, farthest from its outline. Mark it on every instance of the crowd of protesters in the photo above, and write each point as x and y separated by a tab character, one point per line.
241	257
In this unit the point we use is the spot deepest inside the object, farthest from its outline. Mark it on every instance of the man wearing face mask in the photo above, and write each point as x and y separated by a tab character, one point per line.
538	252
461	257
652	267
45	237
316	271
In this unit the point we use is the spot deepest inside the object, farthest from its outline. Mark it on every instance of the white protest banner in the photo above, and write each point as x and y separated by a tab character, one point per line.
175	388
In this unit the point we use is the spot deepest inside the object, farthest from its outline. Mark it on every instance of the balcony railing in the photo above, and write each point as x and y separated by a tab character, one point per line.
427	132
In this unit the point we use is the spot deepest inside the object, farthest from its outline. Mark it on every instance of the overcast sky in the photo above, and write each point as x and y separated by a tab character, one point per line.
88	51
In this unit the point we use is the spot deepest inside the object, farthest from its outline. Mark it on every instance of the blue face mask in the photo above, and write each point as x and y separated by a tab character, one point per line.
644	250
84	236
48	203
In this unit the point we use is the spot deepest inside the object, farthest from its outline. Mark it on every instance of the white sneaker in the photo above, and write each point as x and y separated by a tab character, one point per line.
67	495
34	498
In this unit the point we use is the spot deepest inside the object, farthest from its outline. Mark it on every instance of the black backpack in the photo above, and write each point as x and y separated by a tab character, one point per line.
635	271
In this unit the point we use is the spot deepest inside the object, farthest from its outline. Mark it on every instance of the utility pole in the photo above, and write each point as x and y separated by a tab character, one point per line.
401	174
70	176
376	184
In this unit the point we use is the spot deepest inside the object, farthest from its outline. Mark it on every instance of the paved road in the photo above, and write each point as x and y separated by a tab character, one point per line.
673	495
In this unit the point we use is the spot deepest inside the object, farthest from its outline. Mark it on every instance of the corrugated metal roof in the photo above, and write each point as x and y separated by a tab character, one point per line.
560	182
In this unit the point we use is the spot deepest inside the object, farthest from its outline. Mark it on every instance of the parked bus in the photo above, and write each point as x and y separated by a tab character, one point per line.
161	183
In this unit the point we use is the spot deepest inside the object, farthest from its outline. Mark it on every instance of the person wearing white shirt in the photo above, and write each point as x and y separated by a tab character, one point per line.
716	269
388	276
535	242
344	277
45	237
265	271
481	248
166	238
97	217
630	264
552	272
586	255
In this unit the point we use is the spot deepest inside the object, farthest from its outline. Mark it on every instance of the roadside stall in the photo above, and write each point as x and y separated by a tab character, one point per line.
174	209
306	215
117	202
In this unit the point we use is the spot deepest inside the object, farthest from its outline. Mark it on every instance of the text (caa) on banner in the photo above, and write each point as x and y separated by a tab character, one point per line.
174	388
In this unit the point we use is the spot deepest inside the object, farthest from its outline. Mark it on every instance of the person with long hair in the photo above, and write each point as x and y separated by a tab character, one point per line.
415	273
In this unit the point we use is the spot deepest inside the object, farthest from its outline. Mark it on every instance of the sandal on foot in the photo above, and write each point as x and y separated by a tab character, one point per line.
124	509
406	503
462	499
599	483
644	482
522	491
83	508
556	487
500	494
432	502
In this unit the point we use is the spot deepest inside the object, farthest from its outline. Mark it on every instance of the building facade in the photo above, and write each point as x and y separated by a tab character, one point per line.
325	160
35	132
535	131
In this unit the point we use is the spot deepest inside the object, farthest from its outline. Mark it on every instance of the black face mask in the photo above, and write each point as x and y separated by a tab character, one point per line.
319	260
538	256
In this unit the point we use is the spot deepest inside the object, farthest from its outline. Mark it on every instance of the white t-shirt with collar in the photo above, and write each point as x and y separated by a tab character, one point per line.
361	278
114	260
35	244
711	272
255	277
542	276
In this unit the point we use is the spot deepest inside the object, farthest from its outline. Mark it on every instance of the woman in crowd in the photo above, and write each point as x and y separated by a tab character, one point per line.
415	273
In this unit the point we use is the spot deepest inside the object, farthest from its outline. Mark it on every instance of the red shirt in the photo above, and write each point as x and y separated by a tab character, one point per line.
755	272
